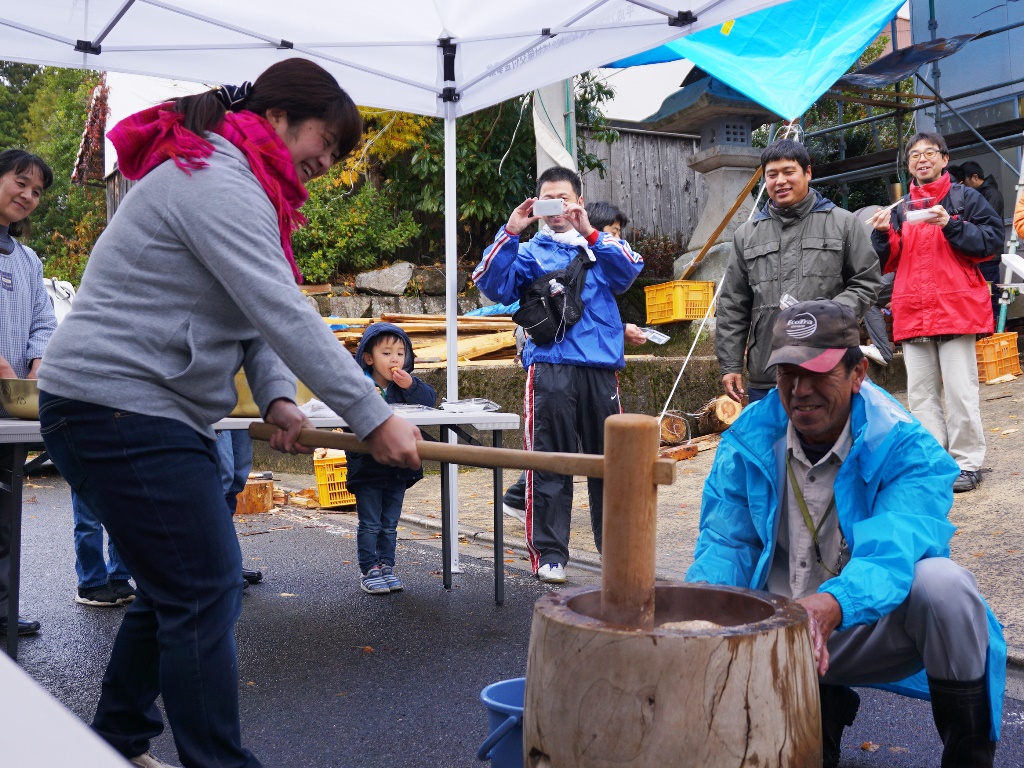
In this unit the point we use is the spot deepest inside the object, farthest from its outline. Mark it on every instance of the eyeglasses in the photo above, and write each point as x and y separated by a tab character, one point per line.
928	154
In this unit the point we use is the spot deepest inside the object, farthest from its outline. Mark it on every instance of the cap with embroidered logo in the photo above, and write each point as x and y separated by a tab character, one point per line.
814	335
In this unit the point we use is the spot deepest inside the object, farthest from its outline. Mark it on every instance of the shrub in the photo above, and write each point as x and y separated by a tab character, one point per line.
659	252
349	231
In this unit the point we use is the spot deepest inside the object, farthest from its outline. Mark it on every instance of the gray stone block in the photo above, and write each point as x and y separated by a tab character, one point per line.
349	306
389	281
431	280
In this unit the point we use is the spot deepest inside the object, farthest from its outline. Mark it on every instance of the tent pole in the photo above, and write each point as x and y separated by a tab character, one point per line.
451	303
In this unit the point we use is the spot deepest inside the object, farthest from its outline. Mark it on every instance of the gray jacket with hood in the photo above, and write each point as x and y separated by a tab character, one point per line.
187	283
811	250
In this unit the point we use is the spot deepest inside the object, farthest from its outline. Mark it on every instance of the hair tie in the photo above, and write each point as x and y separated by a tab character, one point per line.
232	96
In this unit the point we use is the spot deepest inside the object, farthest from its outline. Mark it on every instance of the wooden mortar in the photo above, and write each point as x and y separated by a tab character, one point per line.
603	695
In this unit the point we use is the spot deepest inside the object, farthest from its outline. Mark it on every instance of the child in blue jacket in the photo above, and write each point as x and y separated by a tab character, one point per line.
385	353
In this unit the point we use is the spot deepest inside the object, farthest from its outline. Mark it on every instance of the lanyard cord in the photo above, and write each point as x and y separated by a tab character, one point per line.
807	515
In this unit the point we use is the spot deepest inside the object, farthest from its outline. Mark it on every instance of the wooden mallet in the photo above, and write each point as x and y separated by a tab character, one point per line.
631	471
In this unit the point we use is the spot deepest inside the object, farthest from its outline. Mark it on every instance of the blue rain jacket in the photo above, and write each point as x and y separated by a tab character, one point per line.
893	494
509	266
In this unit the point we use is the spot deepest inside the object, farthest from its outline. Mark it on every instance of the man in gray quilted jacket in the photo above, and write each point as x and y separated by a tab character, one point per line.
799	247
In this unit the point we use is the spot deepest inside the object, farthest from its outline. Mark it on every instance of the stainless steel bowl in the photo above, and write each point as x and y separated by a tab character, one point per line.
247	408
20	398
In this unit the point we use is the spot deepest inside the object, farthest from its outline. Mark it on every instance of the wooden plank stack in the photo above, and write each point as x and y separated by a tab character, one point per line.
481	339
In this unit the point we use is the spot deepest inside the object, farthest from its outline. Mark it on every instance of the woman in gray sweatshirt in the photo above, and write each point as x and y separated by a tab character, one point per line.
193	278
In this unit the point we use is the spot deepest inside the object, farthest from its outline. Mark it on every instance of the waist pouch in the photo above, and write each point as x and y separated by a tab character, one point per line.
553	303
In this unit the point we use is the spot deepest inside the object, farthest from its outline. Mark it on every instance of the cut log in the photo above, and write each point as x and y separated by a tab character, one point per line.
718	414
256	497
674	429
679	452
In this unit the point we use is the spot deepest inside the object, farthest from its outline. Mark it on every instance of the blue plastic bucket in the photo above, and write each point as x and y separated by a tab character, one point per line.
504	702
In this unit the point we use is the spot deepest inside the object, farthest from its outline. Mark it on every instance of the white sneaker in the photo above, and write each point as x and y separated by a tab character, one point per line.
146	760
551	573
518	514
871	352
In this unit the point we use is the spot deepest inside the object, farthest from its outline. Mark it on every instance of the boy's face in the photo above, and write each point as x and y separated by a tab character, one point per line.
553	190
614	229
385	357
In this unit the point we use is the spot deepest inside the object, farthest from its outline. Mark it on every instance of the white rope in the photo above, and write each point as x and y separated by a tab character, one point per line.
791	128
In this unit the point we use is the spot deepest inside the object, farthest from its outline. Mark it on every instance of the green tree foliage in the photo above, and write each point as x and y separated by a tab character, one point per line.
495	162
591	94
18	84
348	231
70	217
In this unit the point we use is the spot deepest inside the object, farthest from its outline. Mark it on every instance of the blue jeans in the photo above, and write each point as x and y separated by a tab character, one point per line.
155	485
378	507
234	448
89	565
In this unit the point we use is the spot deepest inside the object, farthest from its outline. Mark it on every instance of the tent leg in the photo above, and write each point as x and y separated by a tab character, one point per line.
451	265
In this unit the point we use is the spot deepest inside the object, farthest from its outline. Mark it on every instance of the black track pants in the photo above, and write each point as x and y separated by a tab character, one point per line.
564	411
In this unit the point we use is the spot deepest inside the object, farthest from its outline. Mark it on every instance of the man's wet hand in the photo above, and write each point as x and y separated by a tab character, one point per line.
823	616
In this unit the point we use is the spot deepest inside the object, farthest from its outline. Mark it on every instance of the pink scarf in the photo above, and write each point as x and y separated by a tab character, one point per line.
148	138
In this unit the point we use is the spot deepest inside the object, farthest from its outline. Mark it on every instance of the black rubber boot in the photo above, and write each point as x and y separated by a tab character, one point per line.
838	709
963	716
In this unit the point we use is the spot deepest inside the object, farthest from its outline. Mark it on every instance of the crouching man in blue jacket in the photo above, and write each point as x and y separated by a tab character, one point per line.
572	381
830	493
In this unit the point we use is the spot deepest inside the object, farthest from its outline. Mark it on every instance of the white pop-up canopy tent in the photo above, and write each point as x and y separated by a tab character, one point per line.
443	58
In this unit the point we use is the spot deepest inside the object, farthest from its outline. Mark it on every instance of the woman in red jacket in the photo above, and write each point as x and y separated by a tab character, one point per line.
940	301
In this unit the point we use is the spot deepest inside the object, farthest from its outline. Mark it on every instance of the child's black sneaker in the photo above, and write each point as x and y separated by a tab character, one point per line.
391	578
374	583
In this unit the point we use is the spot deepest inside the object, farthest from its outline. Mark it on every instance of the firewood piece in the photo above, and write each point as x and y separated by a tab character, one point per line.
674	428
718	415
256	497
468	348
679	452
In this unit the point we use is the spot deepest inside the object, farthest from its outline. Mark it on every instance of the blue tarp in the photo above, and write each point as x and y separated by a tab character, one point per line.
786	56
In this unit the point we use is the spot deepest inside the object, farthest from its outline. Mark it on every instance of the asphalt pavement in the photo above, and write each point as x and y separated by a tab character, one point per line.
330	676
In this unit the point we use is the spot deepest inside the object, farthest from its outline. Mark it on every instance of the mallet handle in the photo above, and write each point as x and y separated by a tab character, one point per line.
588	465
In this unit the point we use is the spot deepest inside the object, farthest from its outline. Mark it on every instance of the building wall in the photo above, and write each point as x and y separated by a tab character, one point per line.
979	64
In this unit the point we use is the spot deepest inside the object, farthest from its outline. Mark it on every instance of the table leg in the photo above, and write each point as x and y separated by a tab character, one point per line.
446	520
10	510
499	527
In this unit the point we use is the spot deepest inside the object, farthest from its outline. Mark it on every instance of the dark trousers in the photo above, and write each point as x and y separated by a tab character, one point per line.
990	271
756	393
155	485
378	508
564	411
6	467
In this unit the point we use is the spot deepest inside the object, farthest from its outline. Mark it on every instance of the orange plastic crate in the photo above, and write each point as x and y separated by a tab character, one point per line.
997	356
331	473
678	300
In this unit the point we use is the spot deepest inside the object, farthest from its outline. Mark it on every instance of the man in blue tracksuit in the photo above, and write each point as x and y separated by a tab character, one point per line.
572	382
830	493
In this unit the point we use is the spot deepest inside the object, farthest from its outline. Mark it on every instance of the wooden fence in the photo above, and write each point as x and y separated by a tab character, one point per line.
648	178
117	188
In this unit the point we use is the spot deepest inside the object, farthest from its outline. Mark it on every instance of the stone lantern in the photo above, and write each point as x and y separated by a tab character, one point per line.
724	118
